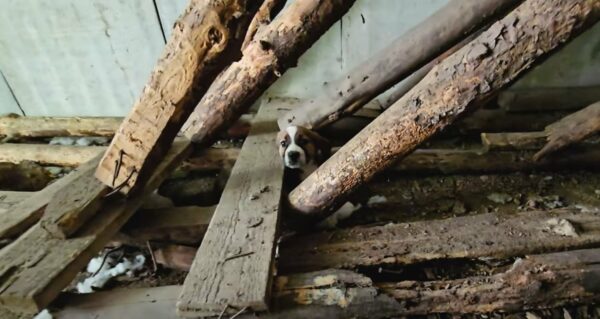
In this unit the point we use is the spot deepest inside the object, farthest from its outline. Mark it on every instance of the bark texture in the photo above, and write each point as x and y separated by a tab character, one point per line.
273	50
202	38
459	84
404	56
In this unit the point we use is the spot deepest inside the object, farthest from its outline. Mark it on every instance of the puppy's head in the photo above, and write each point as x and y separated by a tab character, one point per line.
299	146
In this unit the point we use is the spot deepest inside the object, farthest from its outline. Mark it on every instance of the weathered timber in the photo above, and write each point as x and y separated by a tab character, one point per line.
513	141
180	225
202	43
10	198
234	263
534	282
75	204
459	84
36	267
487	235
405	55
572	129
44	154
21	216
274	49
267	11
548	99
40	126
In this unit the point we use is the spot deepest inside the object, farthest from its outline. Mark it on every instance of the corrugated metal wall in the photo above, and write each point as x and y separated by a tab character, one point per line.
92	57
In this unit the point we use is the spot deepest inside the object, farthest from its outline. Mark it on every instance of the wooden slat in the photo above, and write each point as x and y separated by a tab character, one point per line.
513	140
56	155
234	263
10	198
486	235
75	203
40	126
36	267
19	217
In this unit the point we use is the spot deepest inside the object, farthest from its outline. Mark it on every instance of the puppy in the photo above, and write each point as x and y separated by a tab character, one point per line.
302	151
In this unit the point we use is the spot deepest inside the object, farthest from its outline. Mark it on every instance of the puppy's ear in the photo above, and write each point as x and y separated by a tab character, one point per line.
322	144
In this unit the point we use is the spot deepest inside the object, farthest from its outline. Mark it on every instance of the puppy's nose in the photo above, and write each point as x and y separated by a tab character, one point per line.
293	155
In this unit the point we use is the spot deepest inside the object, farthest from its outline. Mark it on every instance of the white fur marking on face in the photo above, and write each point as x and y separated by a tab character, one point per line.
292	131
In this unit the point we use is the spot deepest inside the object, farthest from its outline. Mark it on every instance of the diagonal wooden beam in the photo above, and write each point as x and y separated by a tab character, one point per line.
202	43
235	261
36	267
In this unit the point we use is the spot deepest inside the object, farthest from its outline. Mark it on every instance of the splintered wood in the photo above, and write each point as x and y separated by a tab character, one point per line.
36	267
194	55
234	264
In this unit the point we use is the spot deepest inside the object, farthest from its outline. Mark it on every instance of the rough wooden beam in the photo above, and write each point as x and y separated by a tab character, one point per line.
460	83
487	235
534	282
572	129
234	263
513	141
40	126
76	203
548	99
274	49
36	267
202	43
58	155
405	55
21	216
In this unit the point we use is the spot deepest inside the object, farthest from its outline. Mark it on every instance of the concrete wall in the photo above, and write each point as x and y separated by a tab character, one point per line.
92	57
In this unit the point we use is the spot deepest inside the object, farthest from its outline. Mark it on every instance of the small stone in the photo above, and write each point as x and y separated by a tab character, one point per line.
499	198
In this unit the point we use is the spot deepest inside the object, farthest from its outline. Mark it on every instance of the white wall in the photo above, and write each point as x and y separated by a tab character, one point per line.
92	57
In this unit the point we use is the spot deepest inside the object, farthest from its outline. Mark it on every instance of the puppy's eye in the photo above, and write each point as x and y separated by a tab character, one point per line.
282	143
301	142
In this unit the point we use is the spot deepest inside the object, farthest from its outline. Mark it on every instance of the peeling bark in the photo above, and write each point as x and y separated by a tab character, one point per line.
274	49
404	56
203	41
459	84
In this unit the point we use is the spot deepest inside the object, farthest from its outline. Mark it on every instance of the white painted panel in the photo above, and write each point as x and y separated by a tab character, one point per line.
7	102
169	11
73	57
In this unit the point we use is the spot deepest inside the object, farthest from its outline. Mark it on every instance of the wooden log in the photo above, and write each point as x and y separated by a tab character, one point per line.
42	126
572	129
234	263
463	81
534	282
76	203
267	11
404	56
480	236
36	267
274	49
202	43
21	216
513	141
44	154
548	99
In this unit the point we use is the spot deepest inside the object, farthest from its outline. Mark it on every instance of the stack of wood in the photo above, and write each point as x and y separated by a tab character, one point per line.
240	266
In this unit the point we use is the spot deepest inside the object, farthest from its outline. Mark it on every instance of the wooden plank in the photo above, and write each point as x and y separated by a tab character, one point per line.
40	126
548	99
486	235
513	140
36	267
56	155
203	42
10	198
75	203
234	263
21	216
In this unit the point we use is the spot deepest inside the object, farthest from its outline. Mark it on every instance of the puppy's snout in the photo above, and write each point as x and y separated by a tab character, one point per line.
293	155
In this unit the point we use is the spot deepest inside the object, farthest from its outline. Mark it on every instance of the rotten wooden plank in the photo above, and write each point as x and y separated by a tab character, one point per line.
40	126
203	42
480	236
21	216
36	267
234	263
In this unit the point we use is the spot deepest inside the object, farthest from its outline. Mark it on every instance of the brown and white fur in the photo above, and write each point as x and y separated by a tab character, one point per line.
302	151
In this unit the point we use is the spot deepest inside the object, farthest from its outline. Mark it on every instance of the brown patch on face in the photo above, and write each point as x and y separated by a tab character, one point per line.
283	140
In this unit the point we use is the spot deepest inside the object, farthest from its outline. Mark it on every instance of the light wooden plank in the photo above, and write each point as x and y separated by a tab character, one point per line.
40	126
21	216
36	267
234	263
56	155
10	198
74	204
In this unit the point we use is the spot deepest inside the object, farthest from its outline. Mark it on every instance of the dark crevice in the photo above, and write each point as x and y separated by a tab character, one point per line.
162	29
12	92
